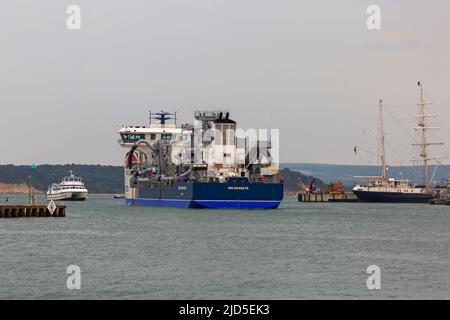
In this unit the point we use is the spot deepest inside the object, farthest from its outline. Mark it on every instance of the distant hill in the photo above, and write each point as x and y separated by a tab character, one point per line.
109	179
345	173
103	179
98	178
294	179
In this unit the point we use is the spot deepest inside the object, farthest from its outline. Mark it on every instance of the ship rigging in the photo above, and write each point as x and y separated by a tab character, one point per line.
387	189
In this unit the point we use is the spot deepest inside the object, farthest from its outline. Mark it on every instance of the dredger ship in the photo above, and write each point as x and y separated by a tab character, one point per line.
203	164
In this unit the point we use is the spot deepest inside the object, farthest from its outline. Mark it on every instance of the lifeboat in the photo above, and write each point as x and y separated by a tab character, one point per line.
135	158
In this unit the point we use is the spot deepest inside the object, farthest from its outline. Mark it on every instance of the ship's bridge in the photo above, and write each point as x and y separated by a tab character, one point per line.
131	134
158	129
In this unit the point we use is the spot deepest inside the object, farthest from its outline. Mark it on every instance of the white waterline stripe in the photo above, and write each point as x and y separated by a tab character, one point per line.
204	200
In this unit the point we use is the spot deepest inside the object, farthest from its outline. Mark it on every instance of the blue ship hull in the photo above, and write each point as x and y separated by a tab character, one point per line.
236	193
392	197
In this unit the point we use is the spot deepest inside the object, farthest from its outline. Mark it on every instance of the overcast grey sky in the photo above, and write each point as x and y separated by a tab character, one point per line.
310	68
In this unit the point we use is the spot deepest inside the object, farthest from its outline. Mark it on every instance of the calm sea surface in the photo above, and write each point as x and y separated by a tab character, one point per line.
299	251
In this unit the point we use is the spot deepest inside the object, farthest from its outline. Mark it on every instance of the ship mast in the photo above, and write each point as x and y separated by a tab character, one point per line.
423	144
423	138
382	143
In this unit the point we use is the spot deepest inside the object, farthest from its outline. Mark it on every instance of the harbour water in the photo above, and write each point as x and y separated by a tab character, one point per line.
299	251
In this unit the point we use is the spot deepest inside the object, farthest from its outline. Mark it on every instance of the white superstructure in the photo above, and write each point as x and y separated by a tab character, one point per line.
70	188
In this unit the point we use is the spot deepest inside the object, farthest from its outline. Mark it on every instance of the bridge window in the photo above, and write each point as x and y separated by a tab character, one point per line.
132	137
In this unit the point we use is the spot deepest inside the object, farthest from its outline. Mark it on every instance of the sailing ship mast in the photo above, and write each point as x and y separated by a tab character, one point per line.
382	143
423	137
423	144
381	140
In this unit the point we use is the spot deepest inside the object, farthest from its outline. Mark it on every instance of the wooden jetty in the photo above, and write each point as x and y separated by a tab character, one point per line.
442	196
440	201
334	192
327	197
31	210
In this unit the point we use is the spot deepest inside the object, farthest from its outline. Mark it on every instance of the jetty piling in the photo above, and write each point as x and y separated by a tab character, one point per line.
32	210
334	192
327	197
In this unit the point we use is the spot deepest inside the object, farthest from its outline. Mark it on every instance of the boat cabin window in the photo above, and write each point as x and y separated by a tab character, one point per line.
132	137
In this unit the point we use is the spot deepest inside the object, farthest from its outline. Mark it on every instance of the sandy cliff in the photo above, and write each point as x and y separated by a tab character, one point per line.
16	188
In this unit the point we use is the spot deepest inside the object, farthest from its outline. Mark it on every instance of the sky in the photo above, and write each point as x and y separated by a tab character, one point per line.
311	69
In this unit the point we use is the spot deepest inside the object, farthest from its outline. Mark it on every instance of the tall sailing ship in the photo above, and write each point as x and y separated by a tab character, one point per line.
197	165
386	189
